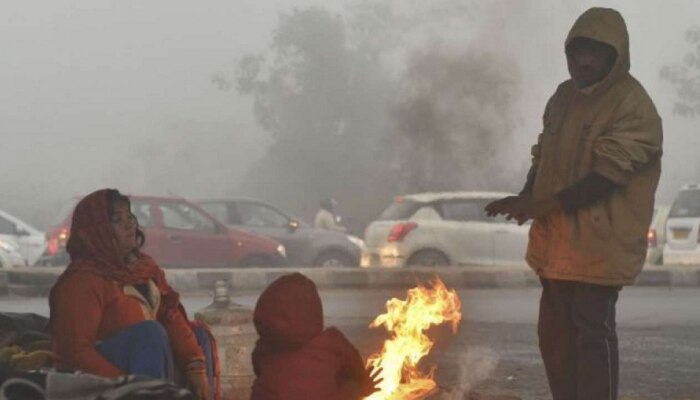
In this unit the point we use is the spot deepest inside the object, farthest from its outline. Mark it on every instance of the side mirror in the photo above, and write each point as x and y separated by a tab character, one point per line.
19	231
293	225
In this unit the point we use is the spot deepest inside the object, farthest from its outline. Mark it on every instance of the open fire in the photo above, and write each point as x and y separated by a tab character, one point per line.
407	322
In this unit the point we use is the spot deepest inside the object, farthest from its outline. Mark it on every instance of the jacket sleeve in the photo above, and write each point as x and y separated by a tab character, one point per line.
77	306
351	364
180	333
260	351
536	151
631	143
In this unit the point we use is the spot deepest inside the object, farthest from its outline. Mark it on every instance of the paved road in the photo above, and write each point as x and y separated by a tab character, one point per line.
495	350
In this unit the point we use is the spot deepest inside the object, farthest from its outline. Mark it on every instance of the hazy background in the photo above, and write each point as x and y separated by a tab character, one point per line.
142	96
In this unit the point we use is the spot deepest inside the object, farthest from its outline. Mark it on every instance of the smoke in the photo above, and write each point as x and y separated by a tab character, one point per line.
475	366
454	117
375	103
90	101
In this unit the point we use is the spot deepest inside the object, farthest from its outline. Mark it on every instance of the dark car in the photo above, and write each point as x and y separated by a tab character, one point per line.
305	244
179	234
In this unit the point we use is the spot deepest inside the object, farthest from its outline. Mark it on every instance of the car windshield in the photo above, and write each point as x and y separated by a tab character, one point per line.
687	204
400	209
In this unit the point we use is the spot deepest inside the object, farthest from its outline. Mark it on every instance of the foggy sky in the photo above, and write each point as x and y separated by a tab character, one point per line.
97	93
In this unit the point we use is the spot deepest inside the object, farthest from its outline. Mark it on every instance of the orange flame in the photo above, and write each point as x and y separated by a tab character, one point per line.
407	320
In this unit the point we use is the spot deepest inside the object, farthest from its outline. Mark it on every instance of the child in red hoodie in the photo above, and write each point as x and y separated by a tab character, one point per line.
295	358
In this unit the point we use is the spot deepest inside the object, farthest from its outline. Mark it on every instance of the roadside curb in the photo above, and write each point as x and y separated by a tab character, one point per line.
37	281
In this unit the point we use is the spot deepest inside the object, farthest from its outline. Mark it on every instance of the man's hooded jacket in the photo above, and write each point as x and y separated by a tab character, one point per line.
611	128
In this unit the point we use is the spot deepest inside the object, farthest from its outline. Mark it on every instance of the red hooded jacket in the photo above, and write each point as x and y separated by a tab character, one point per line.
94	297
294	358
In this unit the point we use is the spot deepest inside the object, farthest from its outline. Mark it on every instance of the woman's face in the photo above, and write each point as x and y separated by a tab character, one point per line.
124	224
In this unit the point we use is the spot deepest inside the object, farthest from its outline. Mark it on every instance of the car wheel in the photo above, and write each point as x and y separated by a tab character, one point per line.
429	258
256	261
333	259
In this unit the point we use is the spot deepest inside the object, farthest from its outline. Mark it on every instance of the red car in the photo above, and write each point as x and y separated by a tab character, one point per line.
179	234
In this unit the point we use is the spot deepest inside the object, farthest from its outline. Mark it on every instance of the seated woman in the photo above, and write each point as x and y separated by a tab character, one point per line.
112	311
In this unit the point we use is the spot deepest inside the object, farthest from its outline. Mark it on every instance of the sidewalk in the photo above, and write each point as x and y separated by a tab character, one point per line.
37	281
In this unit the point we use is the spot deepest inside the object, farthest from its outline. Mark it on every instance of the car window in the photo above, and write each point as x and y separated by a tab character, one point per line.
142	211
217	210
501	219
426	213
465	210
185	217
260	216
7	227
399	210
687	204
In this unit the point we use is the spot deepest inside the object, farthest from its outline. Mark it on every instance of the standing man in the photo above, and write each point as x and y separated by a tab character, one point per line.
590	191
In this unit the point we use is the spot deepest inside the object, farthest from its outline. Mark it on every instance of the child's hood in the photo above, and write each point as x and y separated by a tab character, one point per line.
289	313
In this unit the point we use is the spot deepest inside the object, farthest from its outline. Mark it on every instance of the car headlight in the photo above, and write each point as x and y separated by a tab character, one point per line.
356	241
282	251
7	247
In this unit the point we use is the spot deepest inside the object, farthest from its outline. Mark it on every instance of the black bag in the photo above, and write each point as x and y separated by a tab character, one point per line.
56	385
23	329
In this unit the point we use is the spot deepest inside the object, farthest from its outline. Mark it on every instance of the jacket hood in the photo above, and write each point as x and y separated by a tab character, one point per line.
607	26
289	313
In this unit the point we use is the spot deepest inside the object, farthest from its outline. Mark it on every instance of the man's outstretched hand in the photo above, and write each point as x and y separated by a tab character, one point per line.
521	208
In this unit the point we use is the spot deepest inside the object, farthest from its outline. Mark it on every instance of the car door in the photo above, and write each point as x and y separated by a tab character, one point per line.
8	232
145	214
510	241
32	243
190	238
261	219
470	237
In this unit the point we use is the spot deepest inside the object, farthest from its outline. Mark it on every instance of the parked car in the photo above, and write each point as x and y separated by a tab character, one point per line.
656	238
683	228
434	229
30	242
180	234
10	256
305	244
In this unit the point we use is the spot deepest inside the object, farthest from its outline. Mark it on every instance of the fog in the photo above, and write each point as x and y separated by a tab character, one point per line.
146	97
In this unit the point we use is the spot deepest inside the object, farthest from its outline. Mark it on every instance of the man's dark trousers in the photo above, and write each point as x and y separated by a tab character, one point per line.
578	340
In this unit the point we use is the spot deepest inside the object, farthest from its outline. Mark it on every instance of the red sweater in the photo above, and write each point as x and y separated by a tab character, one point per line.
87	308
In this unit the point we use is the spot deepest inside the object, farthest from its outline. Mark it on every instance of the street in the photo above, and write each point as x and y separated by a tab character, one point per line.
495	350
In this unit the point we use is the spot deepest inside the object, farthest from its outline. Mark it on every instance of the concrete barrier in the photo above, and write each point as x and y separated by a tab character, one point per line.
37	281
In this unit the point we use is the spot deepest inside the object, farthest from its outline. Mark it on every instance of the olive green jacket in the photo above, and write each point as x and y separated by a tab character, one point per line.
611	128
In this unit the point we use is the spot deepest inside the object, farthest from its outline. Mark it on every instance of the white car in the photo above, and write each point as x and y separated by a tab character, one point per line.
9	255
683	228
656	237
450	228
31	242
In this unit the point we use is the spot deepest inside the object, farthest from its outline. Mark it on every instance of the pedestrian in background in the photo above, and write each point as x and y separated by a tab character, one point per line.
326	217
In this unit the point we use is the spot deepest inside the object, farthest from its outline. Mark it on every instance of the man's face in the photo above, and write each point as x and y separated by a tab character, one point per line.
589	61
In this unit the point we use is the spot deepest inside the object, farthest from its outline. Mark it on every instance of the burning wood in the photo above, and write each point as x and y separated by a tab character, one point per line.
406	321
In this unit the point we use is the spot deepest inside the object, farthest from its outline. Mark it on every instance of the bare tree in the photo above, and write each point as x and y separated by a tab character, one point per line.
686	77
